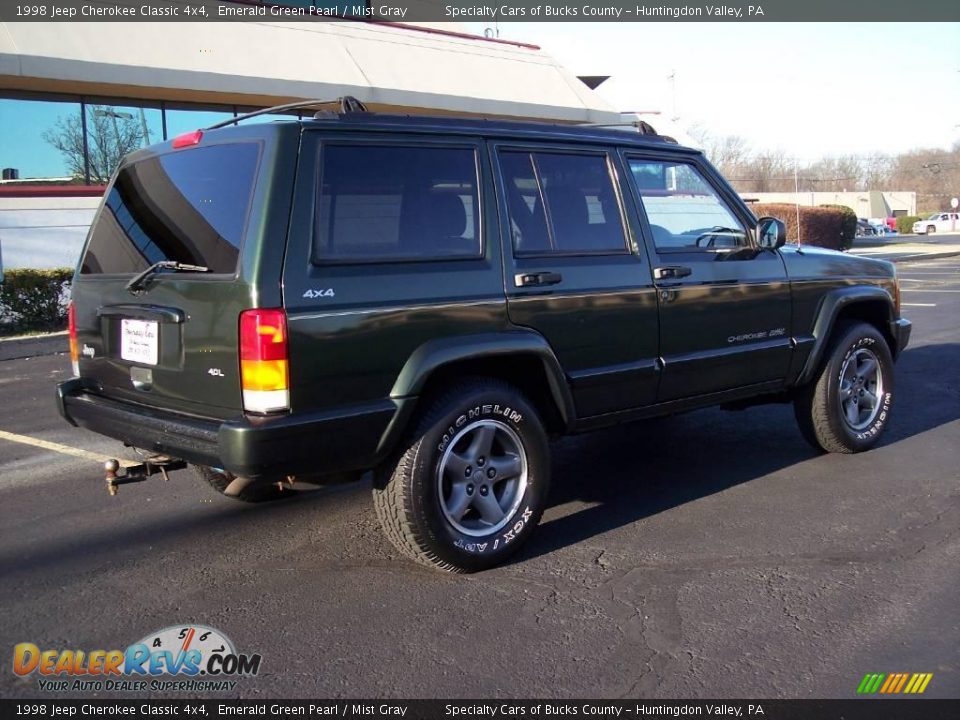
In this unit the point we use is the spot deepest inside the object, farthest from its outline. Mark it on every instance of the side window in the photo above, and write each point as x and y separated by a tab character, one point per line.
561	204
684	211
382	202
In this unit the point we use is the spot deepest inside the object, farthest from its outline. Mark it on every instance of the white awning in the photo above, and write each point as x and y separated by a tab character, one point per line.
258	64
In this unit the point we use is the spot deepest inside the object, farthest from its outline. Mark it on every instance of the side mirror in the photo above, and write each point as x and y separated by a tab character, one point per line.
771	233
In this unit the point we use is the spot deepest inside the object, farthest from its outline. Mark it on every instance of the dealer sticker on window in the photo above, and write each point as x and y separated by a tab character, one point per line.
139	341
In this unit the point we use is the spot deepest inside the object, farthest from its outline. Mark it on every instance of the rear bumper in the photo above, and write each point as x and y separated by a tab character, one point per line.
296	444
900	329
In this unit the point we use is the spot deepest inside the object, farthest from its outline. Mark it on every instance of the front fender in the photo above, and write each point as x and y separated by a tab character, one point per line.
833	303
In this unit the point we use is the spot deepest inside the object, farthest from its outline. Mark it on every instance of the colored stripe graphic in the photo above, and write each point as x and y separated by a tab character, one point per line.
894	683
891	679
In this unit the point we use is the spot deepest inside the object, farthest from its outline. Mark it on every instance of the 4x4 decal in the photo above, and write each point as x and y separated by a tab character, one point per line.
324	293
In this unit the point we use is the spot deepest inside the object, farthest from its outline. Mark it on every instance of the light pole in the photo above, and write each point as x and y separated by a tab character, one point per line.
114	115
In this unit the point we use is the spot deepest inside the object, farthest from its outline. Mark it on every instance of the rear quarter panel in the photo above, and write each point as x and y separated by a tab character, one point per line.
349	346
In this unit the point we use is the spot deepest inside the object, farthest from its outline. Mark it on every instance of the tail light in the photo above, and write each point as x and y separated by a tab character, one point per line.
264	370
896	294
74	346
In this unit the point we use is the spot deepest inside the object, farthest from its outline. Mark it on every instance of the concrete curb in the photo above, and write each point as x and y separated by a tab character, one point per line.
33	345
916	256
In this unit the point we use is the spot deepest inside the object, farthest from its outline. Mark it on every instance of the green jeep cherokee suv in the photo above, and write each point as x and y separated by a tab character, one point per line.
432	298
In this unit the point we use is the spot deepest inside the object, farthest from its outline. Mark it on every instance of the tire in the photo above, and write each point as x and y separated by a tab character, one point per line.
475	428
833	410
931	229
254	493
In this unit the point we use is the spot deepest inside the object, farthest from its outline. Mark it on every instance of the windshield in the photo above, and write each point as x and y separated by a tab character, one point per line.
935	216
188	206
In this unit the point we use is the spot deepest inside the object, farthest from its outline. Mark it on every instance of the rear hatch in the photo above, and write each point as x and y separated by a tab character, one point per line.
172	342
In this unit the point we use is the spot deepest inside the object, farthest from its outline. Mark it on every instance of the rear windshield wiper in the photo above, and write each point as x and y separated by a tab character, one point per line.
138	282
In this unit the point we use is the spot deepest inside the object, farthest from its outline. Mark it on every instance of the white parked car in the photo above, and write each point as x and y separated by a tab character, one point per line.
938	222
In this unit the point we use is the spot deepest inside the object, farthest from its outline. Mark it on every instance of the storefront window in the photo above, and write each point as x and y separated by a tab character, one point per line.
113	131
274	117
180	121
44	142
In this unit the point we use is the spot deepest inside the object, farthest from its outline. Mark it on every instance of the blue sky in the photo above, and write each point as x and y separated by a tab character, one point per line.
809	89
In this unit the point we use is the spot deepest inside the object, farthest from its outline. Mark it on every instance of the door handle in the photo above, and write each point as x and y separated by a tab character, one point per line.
671	272
536	279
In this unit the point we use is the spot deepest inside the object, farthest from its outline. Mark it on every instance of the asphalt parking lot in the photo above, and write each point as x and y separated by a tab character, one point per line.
708	555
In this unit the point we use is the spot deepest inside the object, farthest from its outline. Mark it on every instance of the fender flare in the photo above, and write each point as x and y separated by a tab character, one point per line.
830	306
435	354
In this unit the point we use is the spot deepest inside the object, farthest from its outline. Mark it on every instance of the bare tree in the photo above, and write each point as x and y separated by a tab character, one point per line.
110	136
834	174
934	174
727	152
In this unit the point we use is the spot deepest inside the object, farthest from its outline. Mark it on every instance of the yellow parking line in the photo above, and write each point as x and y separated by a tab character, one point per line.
57	447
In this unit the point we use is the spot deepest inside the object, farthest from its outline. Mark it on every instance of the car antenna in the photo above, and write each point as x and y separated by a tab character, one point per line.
796	188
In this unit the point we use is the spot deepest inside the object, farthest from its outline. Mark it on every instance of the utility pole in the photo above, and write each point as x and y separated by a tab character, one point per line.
672	77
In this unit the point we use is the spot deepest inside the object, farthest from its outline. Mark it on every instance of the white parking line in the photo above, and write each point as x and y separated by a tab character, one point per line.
926	266
918	304
927	290
57	447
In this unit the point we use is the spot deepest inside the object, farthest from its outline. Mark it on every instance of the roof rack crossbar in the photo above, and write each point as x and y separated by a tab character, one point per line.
348	104
642	127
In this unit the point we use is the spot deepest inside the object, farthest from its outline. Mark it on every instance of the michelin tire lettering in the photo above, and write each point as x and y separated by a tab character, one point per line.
501	540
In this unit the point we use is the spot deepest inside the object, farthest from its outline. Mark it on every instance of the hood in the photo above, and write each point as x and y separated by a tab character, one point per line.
811	262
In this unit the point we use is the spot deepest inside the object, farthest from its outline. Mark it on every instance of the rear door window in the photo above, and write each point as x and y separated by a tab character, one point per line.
190	206
561	204
394	203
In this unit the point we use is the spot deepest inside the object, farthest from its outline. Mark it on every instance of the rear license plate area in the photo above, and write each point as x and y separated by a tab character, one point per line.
139	341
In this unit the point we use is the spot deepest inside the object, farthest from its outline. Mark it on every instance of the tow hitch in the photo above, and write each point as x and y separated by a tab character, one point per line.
153	465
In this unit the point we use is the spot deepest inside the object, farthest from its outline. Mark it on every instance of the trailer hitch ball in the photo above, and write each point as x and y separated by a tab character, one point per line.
111	467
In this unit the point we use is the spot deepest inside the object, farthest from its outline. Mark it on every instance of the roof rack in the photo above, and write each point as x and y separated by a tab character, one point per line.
642	127
348	104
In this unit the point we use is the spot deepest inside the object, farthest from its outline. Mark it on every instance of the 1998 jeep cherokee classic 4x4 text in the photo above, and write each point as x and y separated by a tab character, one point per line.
431	298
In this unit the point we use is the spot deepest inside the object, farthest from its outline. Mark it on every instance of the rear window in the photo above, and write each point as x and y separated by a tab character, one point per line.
189	206
381	203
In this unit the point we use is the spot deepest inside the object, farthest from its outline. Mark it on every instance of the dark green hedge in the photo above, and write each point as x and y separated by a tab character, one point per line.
34	299
848	228
819	226
905	223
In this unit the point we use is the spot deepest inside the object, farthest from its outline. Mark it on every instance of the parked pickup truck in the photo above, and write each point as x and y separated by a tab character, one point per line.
433	298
